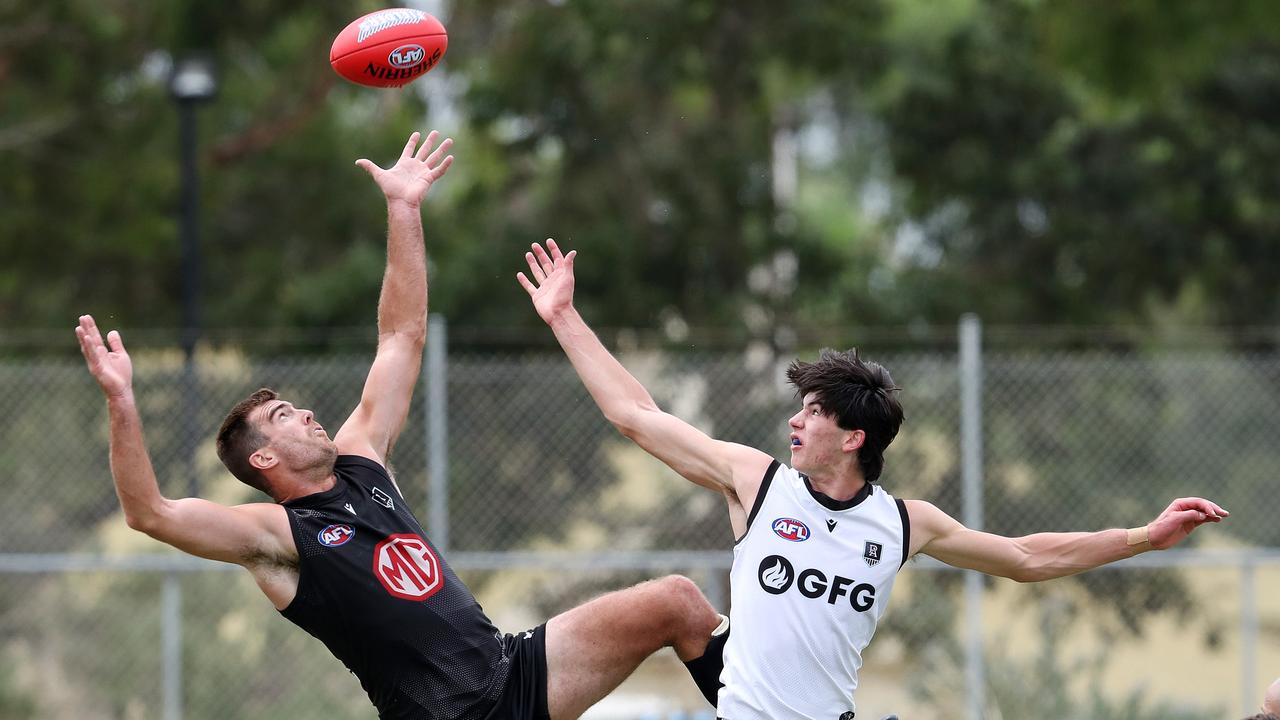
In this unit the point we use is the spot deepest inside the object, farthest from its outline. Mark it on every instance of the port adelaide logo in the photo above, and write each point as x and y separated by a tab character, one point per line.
791	529
336	535
872	553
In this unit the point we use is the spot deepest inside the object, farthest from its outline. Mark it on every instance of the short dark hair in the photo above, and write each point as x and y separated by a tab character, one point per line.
238	438
1262	716
859	395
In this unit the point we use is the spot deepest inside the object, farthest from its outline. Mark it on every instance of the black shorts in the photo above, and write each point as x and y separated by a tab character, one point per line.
525	697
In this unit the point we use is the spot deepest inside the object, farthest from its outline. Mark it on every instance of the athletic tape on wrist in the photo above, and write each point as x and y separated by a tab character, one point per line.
1136	536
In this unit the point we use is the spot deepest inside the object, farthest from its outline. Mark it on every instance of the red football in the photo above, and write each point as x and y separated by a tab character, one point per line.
388	48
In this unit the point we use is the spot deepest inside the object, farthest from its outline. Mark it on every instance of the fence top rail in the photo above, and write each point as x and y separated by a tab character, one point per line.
602	560
527	337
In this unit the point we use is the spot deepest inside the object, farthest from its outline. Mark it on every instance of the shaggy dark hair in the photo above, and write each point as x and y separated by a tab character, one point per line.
238	438
858	395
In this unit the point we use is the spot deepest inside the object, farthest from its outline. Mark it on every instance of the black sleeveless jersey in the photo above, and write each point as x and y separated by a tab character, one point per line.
374	590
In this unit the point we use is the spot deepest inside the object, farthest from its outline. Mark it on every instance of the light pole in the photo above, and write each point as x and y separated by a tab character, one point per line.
194	81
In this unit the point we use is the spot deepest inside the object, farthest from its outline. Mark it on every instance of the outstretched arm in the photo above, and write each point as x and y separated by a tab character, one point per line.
733	469
1044	556
244	534
373	427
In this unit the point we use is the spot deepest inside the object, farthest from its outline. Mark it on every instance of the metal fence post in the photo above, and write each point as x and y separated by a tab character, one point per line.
436	375
171	646
190	432
1250	696
972	481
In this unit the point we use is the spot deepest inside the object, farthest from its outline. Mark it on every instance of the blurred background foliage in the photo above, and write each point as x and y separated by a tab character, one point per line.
739	166
718	164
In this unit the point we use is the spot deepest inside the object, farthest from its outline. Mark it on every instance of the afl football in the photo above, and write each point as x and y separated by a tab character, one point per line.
388	48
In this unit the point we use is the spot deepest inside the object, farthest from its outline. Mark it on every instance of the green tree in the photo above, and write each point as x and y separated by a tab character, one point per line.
642	137
1098	163
89	186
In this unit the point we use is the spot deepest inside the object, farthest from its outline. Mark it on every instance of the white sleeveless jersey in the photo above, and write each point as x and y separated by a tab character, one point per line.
811	578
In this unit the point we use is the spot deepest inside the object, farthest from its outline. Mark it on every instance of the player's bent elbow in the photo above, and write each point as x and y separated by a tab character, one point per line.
148	520
1027	569
145	523
1024	576
629	419
412	337
1042	576
1032	570
628	430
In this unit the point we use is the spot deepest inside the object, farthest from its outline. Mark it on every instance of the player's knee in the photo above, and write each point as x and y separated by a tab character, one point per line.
681	589
687	600
690	618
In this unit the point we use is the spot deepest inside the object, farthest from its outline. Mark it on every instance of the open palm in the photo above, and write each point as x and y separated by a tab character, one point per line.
414	172
551	288
112	367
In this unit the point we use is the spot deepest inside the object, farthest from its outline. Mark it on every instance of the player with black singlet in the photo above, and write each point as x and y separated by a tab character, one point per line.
339	553
410	630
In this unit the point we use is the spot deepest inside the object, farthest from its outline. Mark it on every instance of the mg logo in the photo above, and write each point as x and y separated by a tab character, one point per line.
406	567
406	56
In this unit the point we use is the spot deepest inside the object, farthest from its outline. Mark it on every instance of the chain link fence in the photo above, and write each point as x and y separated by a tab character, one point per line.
541	505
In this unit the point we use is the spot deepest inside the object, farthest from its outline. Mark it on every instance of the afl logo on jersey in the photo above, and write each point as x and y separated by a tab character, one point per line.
336	535
791	529
407	567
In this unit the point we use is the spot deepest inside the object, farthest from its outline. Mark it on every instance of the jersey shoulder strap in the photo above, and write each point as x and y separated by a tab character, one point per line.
764	490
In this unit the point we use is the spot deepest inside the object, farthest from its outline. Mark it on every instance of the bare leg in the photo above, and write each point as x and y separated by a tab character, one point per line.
592	648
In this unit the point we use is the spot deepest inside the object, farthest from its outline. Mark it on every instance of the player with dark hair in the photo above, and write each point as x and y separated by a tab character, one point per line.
819	543
339	553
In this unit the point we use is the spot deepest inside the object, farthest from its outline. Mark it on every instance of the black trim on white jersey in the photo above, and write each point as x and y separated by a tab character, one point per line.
764	488
831	504
906	531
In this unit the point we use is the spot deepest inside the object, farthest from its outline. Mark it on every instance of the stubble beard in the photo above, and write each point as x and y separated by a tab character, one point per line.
326	458
317	461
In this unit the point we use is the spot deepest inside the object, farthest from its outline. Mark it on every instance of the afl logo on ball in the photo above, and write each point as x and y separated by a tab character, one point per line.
407	567
406	56
791	529
335	535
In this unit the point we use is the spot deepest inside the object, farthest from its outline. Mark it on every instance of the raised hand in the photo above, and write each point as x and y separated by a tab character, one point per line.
1180	518
111	368
413	174
552	286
